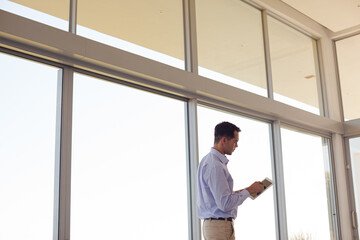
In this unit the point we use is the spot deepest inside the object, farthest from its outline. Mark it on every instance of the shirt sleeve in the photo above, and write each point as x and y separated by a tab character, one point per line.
225	198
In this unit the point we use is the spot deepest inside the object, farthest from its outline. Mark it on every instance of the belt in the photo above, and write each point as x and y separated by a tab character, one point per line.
223	219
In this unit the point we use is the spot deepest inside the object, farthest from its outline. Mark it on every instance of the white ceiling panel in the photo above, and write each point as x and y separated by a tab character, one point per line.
335	15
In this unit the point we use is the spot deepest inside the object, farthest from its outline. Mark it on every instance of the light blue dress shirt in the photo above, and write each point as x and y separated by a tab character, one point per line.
215	196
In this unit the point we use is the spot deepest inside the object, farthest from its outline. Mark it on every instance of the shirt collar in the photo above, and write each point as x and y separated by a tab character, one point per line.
221	157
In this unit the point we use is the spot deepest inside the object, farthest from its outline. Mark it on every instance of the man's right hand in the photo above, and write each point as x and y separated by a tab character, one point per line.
256	187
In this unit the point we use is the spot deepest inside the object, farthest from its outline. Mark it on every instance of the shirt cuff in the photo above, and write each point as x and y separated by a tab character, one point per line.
244	193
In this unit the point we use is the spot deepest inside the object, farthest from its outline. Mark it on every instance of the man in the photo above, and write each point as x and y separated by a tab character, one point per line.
217	203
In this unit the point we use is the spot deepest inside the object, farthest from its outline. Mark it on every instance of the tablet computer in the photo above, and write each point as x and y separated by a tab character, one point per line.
267	183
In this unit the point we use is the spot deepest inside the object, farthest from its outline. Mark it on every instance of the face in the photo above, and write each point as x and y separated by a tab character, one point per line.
231	144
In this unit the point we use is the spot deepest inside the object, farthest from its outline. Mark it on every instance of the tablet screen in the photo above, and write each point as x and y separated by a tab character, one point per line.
266	183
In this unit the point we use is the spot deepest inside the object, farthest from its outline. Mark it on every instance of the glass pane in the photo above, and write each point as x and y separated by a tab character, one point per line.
53	13
152	29
27	148
250	162
307	185
349	72
230	44
293	67
355	164
128	164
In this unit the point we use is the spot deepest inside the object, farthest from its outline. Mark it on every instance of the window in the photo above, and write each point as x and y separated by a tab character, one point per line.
293	66
307	179
349	72
250	162
53	13
230	44
152	29
28	92
128	177
355	163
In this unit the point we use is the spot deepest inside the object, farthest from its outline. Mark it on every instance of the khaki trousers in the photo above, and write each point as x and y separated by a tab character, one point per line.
218	230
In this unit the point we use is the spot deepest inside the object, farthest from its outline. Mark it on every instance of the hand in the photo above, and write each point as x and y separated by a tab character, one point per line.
256	187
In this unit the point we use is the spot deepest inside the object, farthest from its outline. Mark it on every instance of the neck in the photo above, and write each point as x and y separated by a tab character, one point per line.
216	147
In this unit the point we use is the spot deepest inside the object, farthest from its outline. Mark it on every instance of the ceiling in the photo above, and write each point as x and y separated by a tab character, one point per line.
336	15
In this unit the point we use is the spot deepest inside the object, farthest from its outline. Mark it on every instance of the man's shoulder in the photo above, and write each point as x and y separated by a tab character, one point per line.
208	157
210	160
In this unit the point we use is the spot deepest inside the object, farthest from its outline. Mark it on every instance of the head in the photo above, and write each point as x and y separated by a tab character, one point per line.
226	137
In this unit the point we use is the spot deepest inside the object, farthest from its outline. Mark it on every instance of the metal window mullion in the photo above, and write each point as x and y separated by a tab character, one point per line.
278	172
338	81
72	16
351	193
63	156
329	165
190	42
319	82
191	168
56	215
270	88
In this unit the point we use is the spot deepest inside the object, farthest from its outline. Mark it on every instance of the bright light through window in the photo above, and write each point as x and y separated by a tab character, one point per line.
307	183
355	165
128	164
28	93
250	162
152	29
294	67
225	53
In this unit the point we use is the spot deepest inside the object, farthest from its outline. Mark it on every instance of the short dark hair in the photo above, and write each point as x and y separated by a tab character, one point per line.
225	129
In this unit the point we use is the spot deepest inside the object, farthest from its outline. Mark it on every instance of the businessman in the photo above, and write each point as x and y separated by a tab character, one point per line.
217	203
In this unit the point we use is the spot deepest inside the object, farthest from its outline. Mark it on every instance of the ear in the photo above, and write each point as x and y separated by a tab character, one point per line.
223	140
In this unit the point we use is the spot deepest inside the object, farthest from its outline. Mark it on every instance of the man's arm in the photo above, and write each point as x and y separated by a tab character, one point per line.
224	197
256	187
